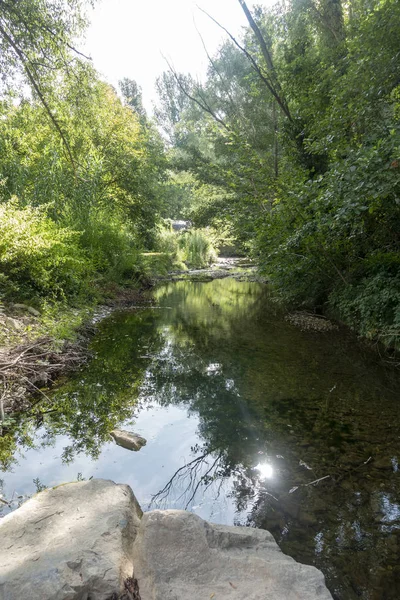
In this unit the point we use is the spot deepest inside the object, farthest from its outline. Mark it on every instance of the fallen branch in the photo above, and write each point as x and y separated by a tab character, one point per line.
26	367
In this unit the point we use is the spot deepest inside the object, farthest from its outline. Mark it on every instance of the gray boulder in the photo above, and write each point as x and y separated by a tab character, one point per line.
178	556
68	543
128	440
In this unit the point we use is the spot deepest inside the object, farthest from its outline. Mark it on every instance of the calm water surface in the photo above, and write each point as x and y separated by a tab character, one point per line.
241	412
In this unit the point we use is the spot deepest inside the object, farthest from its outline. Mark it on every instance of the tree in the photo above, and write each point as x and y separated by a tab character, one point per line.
37	42
314	186
112	197
132	94
173	102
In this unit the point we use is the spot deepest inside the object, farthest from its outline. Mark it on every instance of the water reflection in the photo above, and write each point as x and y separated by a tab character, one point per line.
266	471
248	420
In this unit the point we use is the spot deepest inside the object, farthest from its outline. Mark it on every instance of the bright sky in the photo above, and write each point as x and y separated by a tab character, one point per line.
128	37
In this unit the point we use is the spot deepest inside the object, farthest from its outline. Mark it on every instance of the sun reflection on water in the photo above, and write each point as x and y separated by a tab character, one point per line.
266	471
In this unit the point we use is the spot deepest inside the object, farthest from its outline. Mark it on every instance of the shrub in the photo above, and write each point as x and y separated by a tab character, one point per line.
112	247
167	241
372	307
194	247
197	247
37	257
168	255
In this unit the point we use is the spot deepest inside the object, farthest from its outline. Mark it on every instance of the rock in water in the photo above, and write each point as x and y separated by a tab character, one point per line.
88	540
70	542
128	440
178	556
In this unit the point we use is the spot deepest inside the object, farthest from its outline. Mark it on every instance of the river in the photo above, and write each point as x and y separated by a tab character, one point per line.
242	412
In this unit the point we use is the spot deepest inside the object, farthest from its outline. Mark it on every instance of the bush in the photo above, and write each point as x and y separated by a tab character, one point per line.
372	307
194	247
168	255
37	257
112	247
197	247
167	240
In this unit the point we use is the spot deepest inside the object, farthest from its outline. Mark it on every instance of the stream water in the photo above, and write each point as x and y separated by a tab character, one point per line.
242	411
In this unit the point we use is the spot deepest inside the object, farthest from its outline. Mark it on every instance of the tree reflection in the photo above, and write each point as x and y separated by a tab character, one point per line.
313	407
201	472
309	405
97	398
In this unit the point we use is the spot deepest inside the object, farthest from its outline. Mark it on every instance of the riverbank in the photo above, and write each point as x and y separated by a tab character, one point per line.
39	346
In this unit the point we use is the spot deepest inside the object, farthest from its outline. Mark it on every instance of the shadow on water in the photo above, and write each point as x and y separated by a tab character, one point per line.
241	411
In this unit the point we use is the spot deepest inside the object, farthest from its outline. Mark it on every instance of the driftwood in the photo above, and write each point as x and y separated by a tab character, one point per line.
131	591
27	367
331	477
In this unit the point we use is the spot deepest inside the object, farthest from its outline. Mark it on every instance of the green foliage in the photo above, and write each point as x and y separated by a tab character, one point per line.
177	193
99	211
38	258
167	239
112	246
372	306
132	94
308	179
197	248
37	37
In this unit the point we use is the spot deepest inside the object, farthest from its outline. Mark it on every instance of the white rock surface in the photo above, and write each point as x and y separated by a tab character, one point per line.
128	439
178	556
81	541
70	542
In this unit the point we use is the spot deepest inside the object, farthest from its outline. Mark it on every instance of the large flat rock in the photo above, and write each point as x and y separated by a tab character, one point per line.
84	541
178	556
70	542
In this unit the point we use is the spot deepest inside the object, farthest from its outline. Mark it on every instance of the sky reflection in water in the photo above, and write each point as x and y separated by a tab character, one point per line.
241	412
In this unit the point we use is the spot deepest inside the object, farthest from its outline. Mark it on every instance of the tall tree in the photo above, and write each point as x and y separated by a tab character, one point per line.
132	94
37	41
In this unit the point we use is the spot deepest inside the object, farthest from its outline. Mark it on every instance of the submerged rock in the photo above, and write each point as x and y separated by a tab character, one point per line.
128	440
89	540
310	322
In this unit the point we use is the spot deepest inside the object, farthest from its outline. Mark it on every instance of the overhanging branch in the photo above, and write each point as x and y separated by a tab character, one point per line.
35	85
266	81
206	107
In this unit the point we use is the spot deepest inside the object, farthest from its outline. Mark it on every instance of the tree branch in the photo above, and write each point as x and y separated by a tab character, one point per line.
259	36
214	66
206	107
281	102
37	89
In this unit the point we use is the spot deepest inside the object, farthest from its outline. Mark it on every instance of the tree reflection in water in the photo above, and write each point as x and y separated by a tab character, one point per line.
299	406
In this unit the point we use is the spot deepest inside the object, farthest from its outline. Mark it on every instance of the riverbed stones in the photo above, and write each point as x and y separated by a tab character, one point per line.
70	542
89	541
128	440
310	322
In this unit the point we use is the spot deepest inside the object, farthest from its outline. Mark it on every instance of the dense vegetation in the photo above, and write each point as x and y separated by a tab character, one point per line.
290	148
80	169
293	142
